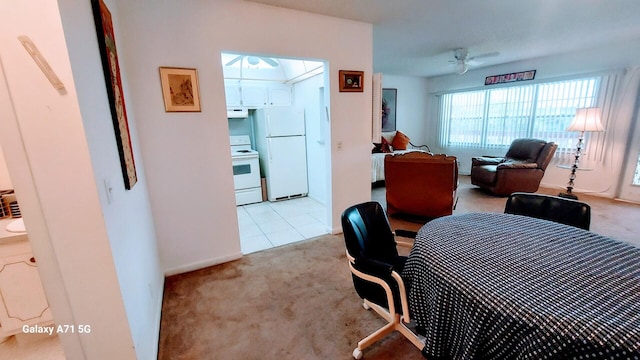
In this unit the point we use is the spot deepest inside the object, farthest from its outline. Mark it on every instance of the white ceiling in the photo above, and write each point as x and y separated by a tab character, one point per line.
240	67
417	37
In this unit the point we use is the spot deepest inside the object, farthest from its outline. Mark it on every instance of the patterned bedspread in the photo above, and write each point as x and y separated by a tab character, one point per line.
500	286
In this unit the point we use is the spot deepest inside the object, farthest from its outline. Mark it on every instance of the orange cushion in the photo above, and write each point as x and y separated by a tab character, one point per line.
400	141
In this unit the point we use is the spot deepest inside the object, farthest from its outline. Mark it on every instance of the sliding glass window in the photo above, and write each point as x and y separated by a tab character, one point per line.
495	117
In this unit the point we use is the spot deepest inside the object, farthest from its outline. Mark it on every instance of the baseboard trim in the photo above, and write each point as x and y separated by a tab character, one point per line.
201	264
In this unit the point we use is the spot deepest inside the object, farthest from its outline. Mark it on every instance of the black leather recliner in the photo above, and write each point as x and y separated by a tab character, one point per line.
375	267
547	207
520	170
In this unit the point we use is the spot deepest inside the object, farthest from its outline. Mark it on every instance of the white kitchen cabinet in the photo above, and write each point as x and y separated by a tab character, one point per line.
22	297
232	94
254	95
279	96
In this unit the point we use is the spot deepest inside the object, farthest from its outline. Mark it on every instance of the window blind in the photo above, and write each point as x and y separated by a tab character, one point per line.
492	118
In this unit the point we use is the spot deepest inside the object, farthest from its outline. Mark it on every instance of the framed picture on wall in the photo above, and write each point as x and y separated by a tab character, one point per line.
351	81
180	89
111	69
389	100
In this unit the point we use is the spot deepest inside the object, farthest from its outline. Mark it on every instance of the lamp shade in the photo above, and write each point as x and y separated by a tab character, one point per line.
586	119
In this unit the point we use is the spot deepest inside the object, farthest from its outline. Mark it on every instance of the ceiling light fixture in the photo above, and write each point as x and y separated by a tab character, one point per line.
462	67
460	54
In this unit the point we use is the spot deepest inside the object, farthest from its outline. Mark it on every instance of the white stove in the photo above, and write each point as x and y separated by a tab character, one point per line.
246	170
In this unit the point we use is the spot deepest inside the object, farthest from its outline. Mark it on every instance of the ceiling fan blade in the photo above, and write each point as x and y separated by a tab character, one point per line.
482	56
233	61
269	61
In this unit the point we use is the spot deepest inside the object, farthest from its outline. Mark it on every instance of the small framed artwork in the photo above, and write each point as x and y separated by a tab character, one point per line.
351	81
507	78
389	100
180	89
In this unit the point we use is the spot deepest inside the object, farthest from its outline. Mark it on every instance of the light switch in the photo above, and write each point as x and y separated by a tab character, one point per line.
108	189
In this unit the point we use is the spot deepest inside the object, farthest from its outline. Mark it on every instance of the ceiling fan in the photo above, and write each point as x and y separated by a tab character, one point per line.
253	60
462	59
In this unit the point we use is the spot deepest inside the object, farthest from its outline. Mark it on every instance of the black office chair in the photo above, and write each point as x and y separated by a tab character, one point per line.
376	266
553	208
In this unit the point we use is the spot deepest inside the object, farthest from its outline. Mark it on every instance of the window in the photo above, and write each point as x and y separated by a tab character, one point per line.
636	176
495	117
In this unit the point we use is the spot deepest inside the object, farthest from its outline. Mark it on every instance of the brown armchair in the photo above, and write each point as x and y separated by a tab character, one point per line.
421	184
521	169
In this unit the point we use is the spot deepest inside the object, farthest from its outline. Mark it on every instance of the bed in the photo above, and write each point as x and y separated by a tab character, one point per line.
377	164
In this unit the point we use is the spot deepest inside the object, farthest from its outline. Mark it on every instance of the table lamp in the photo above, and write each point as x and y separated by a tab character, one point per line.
586	119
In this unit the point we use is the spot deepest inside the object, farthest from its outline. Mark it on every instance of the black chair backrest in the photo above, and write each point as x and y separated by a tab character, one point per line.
367	232
547	207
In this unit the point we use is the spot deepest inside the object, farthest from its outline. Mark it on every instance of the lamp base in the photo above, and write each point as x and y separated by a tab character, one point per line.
568	196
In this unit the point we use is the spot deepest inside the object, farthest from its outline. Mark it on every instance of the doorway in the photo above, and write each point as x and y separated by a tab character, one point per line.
255	83
17	262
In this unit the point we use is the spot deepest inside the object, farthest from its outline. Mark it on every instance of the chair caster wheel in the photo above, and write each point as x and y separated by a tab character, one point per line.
366	306
357	354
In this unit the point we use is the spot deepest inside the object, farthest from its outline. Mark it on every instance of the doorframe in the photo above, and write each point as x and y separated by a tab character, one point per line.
627	191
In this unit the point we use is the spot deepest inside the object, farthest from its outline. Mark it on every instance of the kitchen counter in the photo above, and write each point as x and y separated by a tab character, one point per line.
7	236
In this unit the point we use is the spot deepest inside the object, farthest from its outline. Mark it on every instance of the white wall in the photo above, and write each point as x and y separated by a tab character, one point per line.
603	179
186	155
128	218
98	260
307	94
412	114
49	160
5	178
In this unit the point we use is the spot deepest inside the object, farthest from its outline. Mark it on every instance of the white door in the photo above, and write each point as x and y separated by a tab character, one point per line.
22	297
287	174
284	121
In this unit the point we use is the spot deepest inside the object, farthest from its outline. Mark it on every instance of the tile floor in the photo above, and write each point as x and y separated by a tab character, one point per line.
269	224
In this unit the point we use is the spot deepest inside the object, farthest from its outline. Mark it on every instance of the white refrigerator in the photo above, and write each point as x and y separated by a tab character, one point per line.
281	143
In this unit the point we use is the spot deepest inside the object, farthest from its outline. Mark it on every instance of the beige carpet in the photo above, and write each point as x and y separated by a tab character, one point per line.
298	302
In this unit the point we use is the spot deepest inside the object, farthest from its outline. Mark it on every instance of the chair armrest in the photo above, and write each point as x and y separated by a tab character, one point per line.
510	165
487	160
406	233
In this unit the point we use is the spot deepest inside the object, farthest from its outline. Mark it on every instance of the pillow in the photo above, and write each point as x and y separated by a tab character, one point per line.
377	148
385	146
388	135
400	141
